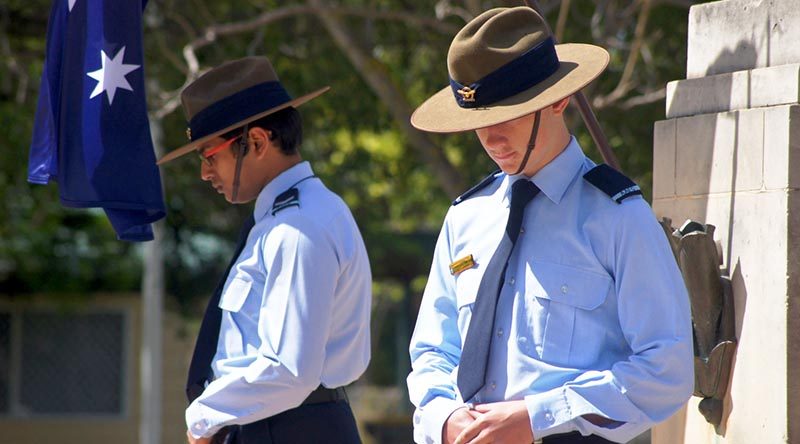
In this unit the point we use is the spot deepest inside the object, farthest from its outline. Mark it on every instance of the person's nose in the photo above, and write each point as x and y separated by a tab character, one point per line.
494	137
206	171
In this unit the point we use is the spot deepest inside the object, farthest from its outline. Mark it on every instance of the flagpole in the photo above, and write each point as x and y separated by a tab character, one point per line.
151	350
589	118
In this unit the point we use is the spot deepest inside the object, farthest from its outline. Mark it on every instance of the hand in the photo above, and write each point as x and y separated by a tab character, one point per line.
193	440
458	420
504	422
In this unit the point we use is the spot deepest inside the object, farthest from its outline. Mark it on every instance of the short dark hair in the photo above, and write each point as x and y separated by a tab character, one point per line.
286	127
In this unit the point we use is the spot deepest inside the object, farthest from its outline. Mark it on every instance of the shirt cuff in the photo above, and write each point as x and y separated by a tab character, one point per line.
429	420
196	423
550	413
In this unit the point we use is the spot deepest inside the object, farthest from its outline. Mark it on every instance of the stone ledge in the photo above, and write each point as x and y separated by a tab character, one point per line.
763	87
704	95
776	85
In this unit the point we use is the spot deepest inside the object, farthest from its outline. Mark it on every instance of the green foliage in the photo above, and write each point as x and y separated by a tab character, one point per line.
351	137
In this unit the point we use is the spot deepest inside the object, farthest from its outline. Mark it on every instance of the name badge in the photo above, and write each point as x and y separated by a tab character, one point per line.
465	263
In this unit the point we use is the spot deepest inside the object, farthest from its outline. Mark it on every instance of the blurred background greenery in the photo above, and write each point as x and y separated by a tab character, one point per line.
382	58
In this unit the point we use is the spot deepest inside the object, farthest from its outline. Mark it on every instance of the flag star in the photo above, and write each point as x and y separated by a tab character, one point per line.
71	3
112	75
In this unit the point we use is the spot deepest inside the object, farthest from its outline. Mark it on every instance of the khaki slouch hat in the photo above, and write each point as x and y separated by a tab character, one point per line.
504	65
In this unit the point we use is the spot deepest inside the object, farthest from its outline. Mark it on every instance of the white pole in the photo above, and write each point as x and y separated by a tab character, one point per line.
152	317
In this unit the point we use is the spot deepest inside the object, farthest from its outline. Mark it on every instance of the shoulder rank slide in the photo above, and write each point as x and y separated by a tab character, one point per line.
610	181
289	198
481	185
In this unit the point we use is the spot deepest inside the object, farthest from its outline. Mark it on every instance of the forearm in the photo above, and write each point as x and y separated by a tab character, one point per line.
633	396
261	390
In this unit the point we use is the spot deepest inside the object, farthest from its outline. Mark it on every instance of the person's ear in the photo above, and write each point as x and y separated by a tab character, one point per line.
258	140
560	106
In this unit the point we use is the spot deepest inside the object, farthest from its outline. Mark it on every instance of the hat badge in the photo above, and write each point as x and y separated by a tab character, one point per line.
467	94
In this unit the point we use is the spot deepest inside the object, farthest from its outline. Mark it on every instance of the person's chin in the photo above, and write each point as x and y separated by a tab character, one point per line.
508	167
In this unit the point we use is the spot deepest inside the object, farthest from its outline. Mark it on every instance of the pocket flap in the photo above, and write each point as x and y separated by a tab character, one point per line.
467	283
234	294
567	285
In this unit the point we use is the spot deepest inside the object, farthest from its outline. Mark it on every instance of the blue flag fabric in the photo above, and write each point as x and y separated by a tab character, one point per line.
91	133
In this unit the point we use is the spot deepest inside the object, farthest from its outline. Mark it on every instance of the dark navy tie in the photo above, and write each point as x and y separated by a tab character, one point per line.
475	352
206	347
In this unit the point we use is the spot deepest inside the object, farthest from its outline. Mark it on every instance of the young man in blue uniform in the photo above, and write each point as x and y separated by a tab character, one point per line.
289	325
554	311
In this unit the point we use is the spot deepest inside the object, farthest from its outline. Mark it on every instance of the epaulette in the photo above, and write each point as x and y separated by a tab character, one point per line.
289	198
481	185
612	182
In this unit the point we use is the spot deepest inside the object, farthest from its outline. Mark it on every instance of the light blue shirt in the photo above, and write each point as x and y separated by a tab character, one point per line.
296	309
593	318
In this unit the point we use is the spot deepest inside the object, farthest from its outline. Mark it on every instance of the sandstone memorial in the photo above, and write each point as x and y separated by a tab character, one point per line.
728	155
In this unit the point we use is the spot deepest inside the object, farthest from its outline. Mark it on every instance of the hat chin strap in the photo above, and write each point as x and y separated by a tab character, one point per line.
241	151
531	142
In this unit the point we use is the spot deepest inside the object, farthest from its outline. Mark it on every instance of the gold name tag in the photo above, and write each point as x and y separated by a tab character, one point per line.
465	263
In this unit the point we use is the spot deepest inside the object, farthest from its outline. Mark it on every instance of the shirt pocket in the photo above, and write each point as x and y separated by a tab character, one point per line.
467	283
235	294
563	297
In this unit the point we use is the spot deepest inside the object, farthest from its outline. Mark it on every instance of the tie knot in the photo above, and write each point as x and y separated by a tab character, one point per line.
522	191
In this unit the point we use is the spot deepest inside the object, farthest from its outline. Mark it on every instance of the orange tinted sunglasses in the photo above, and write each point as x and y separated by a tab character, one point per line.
206	155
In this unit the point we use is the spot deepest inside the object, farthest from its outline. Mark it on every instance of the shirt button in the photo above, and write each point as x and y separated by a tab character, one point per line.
548	417
511	281
500	332
564	288
522	229
494	385
198	426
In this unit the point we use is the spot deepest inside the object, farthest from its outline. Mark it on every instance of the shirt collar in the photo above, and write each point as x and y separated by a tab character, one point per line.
554	178
284	181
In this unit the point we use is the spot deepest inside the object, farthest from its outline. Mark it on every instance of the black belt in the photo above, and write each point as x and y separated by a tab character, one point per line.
575	438
322	395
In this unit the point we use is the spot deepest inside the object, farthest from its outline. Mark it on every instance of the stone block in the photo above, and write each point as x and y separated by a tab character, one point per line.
748	154
755	232
704	154
712	94
782	147
736	35
793	313
664	143
776	85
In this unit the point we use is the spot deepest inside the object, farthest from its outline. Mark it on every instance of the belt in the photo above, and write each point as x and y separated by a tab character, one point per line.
322	395
572	438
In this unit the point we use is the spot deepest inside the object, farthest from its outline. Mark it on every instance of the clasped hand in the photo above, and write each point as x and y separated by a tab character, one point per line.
504	422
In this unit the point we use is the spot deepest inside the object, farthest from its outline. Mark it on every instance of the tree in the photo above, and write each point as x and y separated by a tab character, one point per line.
381	58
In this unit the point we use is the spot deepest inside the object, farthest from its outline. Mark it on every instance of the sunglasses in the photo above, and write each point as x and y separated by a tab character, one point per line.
207	156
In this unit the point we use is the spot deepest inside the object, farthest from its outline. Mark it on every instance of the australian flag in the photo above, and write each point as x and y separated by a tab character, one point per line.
91	133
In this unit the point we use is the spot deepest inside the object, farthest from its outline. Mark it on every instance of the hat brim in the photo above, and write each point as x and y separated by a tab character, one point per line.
192	146
580	64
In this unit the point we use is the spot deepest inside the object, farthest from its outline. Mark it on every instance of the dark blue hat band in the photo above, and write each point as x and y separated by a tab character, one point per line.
237	107
522	73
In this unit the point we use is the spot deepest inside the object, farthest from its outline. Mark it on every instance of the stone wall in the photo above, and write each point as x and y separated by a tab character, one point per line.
729	155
